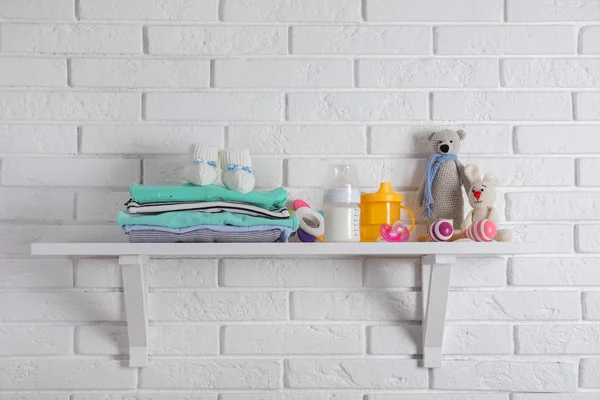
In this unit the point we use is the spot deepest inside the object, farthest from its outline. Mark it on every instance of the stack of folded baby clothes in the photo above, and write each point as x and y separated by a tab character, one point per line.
204	214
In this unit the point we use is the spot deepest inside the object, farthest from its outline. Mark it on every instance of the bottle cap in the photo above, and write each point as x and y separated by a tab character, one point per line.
385	194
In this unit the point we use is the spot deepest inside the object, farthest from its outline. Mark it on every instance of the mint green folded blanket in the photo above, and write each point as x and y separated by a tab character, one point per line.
185	219
269	200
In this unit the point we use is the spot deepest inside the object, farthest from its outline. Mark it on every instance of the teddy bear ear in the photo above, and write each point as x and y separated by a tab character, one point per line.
430	135
461	134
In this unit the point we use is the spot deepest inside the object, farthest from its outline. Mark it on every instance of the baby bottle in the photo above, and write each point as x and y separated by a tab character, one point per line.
341	210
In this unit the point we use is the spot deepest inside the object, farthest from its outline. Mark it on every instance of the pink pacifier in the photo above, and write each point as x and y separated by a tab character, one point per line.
395	233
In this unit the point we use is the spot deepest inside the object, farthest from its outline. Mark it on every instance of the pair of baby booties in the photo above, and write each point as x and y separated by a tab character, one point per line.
235	164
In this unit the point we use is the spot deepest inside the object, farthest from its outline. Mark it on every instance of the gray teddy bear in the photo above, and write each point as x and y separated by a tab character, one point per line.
440	193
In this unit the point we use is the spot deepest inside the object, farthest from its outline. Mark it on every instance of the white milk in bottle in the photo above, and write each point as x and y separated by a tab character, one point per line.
341	199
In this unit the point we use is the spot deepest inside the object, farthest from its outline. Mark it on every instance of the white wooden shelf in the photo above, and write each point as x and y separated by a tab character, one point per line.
470	249
436	262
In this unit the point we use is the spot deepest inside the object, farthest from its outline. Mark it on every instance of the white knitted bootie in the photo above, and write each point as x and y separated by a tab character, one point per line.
236	167
201	168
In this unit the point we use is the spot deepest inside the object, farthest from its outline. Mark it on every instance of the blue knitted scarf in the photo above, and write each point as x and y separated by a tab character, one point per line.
433	164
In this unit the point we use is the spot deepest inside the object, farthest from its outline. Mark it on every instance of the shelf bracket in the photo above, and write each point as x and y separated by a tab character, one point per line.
135	287
435	285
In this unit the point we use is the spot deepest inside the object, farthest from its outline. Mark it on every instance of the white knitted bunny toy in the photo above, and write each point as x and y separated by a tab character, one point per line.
482	197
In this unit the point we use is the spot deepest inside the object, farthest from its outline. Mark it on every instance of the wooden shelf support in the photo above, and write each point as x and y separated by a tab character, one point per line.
135	287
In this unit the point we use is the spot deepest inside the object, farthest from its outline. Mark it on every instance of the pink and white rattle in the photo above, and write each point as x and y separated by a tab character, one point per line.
483	230
395	233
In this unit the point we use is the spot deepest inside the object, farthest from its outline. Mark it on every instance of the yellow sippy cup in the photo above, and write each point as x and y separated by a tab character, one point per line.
382	207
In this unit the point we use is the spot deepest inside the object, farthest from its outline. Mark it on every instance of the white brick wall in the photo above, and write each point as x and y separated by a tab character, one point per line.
98	94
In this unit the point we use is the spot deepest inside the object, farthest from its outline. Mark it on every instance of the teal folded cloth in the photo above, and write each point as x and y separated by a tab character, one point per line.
270	200
185	219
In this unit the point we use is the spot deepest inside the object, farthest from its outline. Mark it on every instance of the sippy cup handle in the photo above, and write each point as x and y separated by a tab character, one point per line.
412	225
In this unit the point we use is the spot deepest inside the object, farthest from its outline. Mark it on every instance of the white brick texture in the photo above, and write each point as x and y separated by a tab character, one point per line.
164	273
540	10
293	339
385	272
140	73
70	38
401	139
557	396
553	206
56	374
350	305
215	374
164	340
341	106
423	73
561	73
591	305
33	72
69	172
588	238
586	172
291	396
291	272
143	396
429	11
347	374
177	10
509	40
587	43
36	9
558	339
61	306
513	376
69	106
586	106
33	204
589	373
282	73
149	139
501	106
305	11
554	271
38	139
440	396
213	106
36	340
368	40
290	139
96	95
216	40
29	273
407	339
218	306
557	139
33	396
